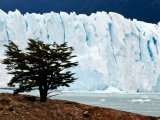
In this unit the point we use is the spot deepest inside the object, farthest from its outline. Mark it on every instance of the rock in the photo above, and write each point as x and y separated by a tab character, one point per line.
86	114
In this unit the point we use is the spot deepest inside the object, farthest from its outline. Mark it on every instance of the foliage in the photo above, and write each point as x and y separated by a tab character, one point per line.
45	66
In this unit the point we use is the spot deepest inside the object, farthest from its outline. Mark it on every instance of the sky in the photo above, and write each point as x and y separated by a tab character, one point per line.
144	10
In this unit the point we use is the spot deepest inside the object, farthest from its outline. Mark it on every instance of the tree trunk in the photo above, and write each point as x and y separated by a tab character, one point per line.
43	94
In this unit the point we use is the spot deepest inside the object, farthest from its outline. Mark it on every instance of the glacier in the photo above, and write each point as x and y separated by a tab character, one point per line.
113	52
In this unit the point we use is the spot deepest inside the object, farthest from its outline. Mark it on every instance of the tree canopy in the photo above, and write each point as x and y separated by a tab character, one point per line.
42	66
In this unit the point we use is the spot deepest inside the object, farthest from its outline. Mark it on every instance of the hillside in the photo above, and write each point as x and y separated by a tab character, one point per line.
23	107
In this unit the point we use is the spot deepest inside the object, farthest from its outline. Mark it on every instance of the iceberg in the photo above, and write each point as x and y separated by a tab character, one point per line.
113	52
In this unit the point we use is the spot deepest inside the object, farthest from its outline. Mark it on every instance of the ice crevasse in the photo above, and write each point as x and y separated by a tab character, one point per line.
112	51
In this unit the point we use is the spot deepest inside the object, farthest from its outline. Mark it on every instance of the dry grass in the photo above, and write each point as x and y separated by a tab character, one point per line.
23	107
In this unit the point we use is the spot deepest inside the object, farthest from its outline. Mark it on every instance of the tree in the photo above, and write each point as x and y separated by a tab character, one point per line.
42	66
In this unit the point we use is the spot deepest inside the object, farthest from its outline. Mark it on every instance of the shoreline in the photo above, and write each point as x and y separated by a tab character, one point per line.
29	107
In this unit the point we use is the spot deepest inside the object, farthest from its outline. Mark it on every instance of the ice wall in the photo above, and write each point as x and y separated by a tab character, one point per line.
112	51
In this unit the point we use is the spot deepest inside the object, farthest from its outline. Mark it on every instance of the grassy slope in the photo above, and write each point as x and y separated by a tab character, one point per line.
23	107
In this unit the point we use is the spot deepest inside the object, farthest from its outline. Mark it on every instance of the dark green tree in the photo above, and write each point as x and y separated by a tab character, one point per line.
40	66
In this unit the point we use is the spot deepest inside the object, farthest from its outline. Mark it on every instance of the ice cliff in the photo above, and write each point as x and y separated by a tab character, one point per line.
112	51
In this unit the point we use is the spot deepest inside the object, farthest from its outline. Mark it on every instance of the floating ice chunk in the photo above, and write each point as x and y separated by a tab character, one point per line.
140	100
102	100
144	96
112	90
